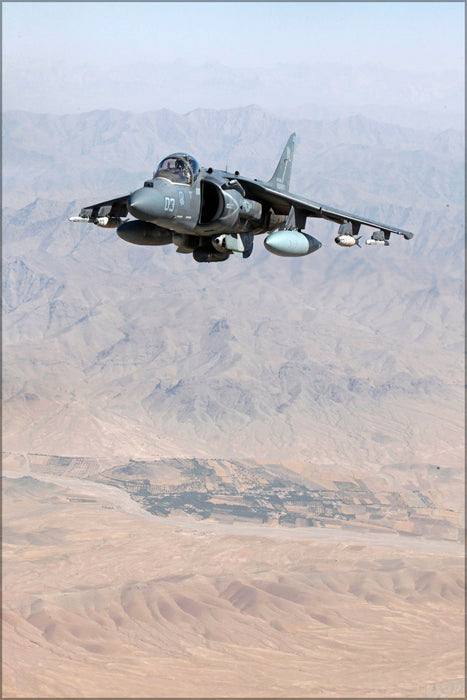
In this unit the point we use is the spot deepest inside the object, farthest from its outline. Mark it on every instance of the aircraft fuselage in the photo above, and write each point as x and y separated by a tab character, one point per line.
214	214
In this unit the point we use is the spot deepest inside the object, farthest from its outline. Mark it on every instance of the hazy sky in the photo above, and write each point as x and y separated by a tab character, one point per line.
419	35
68	57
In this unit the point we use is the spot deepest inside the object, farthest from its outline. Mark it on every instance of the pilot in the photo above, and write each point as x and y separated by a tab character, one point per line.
185	173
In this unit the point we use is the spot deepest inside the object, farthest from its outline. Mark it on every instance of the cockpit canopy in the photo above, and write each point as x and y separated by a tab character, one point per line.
179	167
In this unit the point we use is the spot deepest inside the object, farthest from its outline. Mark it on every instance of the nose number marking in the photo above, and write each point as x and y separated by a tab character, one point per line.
169	204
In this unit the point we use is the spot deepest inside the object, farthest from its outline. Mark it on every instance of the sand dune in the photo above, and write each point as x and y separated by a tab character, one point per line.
111	604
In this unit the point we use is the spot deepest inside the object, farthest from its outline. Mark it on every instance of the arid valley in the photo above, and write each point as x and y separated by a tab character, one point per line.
103	599
243	480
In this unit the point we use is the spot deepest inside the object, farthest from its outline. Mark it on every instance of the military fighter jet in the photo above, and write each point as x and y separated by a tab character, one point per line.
214	213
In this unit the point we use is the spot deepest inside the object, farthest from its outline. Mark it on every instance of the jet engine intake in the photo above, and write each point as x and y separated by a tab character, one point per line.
227	208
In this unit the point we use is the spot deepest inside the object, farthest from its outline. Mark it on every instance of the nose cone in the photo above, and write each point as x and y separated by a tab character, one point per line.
146	204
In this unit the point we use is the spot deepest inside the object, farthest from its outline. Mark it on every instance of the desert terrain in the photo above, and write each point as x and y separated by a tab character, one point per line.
102	599
243	480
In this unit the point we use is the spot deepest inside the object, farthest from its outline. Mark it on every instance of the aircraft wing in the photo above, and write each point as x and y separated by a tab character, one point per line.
282	202
112	208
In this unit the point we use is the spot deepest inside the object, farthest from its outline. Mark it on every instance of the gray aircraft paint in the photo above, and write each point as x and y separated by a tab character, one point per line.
214	213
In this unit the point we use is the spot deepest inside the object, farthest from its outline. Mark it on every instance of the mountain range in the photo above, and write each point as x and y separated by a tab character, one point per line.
350	358
328	90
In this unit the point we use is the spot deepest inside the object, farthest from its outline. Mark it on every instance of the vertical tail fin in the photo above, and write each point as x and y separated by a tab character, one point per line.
281	178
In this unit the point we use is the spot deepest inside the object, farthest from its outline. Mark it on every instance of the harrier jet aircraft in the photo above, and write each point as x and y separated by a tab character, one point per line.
214	213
